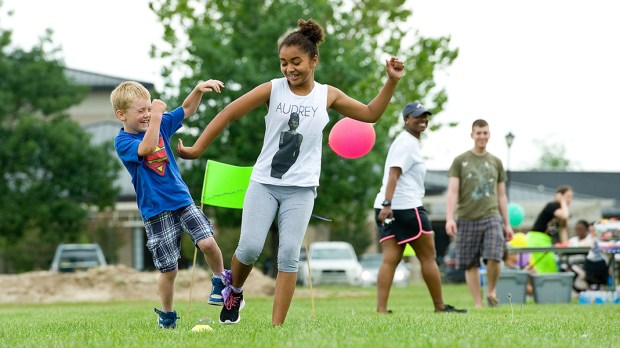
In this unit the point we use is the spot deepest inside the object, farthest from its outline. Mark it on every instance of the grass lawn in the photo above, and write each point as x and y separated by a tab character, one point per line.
344	318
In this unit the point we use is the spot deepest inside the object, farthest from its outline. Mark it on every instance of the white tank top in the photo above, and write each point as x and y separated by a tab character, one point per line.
291	153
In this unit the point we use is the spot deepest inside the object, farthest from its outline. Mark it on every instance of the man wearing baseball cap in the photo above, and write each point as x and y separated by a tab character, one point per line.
415	109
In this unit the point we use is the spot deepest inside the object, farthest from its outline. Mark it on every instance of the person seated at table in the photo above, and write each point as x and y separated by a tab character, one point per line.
582	237
519	261
596	265
516	260
576	263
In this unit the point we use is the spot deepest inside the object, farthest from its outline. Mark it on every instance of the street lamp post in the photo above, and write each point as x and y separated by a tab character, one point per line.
509	139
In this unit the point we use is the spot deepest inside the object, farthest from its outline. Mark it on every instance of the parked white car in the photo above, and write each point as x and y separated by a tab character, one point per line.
370	269
331	263
77	257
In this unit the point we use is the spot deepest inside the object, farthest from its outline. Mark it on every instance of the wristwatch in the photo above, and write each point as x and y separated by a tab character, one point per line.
386	203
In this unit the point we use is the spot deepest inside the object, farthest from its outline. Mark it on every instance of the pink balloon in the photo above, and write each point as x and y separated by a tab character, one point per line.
351	138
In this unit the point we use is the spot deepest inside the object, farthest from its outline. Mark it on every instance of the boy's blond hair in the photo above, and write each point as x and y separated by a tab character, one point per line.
125	94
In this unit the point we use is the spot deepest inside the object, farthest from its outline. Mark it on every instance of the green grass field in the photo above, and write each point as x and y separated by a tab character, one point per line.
344	318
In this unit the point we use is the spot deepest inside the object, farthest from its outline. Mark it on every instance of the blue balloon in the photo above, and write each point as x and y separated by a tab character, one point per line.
516	213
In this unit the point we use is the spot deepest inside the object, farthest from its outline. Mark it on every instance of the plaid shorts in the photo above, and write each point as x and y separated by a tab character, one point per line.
477	239
164	230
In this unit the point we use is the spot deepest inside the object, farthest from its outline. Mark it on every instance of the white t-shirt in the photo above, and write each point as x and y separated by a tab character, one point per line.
405	153
291	153
574	241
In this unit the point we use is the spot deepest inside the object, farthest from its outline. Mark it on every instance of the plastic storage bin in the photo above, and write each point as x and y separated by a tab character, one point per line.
553	287
511	285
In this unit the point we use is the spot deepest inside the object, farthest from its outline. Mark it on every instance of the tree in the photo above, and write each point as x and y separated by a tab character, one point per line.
235	41
51	174
553	158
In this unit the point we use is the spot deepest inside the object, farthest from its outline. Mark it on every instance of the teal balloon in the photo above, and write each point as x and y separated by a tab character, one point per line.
516	213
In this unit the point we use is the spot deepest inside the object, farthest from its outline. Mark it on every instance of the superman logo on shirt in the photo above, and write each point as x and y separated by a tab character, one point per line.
158	160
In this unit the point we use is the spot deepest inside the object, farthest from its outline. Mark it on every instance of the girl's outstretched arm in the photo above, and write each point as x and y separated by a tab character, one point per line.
233	111
352	108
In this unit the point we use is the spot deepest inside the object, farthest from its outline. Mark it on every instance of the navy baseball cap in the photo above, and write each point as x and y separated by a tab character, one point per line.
415	109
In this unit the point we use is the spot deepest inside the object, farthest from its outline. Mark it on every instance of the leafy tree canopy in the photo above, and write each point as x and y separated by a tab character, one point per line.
236	42
50	173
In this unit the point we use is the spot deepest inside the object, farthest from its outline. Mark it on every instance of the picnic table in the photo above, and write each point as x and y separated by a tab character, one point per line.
564	251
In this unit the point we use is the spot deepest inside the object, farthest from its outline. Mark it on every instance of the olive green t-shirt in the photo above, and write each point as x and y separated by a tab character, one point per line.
478	178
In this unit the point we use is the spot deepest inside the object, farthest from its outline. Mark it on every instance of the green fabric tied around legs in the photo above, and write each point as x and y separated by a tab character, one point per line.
543	262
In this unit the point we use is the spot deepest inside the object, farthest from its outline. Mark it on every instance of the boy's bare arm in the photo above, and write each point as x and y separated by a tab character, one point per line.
148	145
191	103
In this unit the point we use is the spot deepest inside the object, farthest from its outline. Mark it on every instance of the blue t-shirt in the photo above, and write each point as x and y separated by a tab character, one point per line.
155	177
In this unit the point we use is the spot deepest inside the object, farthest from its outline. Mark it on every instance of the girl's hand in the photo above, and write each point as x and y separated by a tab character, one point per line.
395	68
186	152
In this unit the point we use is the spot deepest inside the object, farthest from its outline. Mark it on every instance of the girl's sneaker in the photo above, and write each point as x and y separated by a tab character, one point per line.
230	311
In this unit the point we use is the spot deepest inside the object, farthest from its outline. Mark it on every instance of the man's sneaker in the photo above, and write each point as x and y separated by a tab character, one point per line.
167	320
450	309
230	312
216	298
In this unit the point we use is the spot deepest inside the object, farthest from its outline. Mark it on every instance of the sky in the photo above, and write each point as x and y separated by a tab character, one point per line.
546	71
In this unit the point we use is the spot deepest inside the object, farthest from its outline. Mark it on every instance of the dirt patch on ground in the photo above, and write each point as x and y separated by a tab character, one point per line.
114	283
122	283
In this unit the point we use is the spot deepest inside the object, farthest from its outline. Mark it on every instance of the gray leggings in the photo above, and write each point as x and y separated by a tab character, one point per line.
294	206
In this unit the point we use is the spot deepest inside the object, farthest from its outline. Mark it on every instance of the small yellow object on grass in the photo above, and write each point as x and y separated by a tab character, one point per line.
202	328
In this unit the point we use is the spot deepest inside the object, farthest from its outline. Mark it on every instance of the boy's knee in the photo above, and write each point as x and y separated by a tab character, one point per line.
169	271
207	245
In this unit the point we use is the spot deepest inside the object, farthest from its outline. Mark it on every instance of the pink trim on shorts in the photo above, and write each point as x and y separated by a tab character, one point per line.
386	238
417	214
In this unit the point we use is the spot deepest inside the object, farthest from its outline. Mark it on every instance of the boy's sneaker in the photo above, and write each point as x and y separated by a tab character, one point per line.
167	320
230	312
450	309
216	298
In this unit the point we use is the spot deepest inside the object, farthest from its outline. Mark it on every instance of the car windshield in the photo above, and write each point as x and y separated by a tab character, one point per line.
371	261
79	255
332	254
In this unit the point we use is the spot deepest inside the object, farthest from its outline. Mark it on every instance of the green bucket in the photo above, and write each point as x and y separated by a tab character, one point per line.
542	262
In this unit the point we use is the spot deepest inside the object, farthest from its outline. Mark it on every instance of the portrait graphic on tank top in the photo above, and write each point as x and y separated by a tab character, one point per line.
290	143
